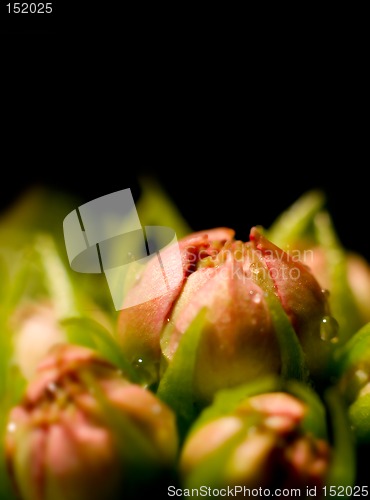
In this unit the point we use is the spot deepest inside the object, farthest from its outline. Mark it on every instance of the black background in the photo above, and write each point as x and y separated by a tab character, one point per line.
235	114
236	120
232	184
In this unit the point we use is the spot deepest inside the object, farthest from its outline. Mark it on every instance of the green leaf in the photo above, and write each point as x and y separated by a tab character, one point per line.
341	299
4	281
354	351
359	414
295	222
89	333
315	418
6	487
13	388
6	351
156	208
293	362
176	385
343	460
56	277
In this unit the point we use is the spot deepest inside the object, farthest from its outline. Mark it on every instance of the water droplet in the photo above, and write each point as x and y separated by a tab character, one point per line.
254	269
257	298
169	321
251	292
12	426
325	292
139	364
52	387
329	329
361	376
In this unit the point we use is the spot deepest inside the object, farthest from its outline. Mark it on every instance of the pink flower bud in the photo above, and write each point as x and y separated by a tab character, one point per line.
232	280
70	436
260	444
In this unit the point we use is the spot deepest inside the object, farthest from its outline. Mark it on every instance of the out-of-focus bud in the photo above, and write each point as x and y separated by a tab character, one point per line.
261	443
233	280
353	371
83	432
345	277
358	275
306	230
302	299
35	329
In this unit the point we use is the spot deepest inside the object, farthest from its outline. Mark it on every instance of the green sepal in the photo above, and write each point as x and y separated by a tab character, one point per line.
359	414
155	207
176	385
13	389
341	298
91	334
226	401
342	470
296	222
354	352
293	361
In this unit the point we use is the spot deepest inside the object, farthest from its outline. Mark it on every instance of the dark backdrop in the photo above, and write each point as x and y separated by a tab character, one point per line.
235	131
238	185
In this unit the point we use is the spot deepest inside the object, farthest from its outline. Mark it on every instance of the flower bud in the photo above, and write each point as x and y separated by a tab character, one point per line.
261	443
233	281
306	230
140	327
84	432
353	373
36	328
302	299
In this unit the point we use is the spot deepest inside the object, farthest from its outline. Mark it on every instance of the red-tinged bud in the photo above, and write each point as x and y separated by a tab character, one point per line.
140	326
303	300
232	280
36	328
359	282
262	443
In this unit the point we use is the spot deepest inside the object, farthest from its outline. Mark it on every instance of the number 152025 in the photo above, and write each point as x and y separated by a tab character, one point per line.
30	8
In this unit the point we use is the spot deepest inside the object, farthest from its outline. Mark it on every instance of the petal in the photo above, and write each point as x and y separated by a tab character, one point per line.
139	327
239	341
301	297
